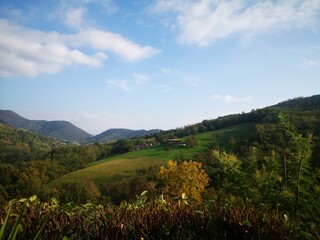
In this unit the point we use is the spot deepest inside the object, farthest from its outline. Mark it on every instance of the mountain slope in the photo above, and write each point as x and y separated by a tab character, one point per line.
120	133
61	130
17	145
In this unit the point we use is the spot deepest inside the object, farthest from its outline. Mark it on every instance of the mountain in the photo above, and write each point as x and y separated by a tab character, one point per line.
115	134
61	130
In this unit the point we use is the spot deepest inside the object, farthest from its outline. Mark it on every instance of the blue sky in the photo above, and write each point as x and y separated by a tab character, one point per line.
142	64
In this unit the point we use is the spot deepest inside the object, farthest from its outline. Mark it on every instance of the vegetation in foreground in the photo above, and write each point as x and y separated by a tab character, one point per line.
160	219
273	171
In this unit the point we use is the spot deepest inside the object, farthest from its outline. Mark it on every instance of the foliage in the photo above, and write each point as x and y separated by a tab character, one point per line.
187	177
122	146
276	175
145	220
191	141
17	227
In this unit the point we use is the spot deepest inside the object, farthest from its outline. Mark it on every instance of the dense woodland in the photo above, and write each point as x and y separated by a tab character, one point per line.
265	184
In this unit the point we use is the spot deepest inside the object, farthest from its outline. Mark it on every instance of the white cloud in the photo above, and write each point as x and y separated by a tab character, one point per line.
165	88
140	78
74	17
106	6
177	74
108	41
29	52
122	84
204	21
230	99
309	63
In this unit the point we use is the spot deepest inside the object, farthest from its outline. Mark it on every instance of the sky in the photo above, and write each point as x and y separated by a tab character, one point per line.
148	64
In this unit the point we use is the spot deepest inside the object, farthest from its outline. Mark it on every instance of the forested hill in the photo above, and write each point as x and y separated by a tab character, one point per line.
120	133
303	112
66	131
302	103
61	130
17	145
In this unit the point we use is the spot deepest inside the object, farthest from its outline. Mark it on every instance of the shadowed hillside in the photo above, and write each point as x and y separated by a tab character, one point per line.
61	130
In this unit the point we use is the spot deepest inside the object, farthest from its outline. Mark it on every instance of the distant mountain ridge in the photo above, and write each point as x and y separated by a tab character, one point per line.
115	134
62	130
66	131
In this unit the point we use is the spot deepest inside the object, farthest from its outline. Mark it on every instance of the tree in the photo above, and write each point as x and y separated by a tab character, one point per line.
122	146
188	178
191	141
297	156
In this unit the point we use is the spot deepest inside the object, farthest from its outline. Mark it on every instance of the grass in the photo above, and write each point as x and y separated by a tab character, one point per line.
124	166
109	171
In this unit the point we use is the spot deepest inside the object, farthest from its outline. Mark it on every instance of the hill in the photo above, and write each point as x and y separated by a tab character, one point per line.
123	166
305	103
17	145
66	131
61	130
115	134
304	113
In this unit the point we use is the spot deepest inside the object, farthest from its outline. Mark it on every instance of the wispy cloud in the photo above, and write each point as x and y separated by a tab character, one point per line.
165	88
177	74
230	99
122	84
74	17
141	79
30	52
107	6
310	63
131	83
204	21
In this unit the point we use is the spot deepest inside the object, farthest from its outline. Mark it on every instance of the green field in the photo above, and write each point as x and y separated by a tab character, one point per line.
124	166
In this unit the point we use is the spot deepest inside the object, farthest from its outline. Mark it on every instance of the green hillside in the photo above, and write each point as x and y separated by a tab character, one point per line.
124	166
17	145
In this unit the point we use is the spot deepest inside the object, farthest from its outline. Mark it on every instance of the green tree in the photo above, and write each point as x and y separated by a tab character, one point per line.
297	156
122	146
191	141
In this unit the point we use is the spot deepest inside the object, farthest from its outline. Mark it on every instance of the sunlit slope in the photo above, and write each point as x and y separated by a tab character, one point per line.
124	166
109	171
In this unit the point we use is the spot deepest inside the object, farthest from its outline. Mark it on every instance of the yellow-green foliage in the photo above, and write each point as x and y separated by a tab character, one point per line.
186	178
228	161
